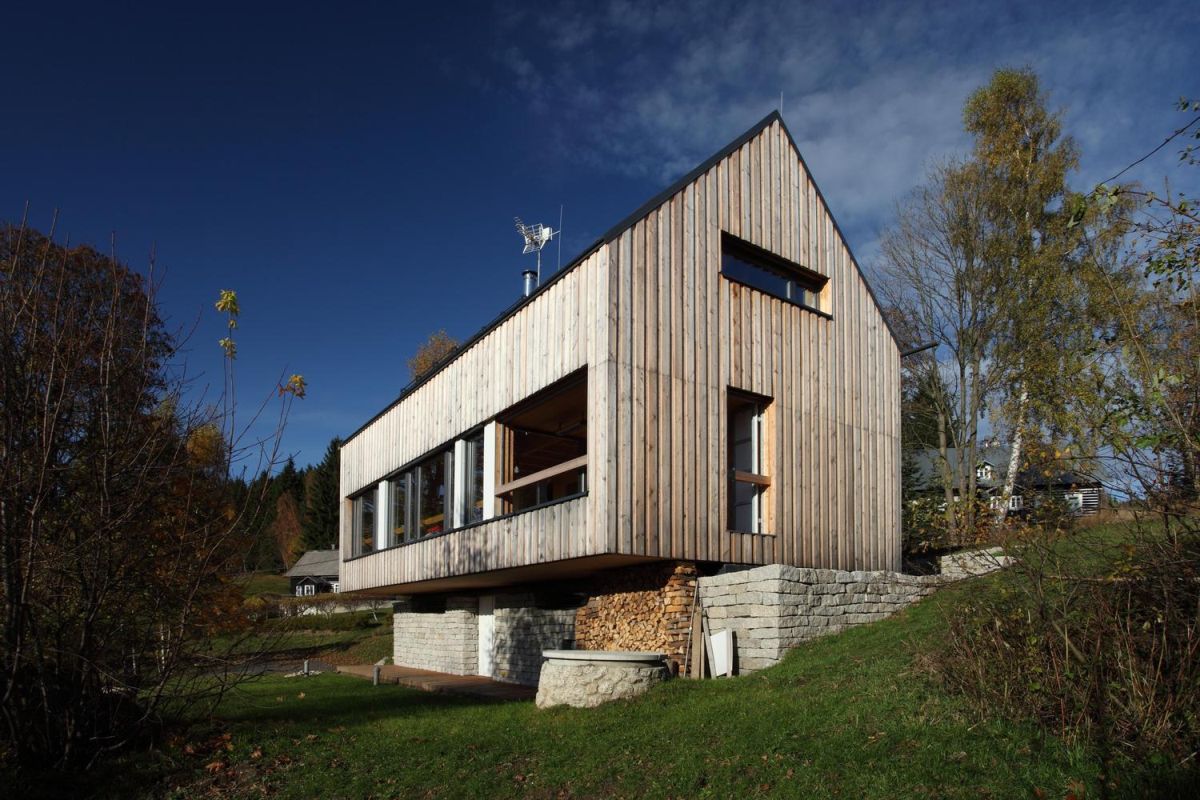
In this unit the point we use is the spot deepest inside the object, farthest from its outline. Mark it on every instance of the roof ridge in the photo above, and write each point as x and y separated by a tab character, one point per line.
627	222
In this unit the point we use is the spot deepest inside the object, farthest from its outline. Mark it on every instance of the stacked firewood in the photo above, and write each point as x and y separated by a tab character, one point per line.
639	608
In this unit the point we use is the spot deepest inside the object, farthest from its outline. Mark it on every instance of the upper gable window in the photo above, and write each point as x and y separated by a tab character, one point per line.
763	270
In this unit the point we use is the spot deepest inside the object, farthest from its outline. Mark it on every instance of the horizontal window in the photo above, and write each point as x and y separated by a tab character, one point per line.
531	455
769	273
544	455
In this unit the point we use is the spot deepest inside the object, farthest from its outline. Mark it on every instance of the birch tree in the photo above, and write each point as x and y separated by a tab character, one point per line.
1023	160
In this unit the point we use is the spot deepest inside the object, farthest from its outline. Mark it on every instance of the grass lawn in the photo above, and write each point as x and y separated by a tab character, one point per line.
259	583
847	716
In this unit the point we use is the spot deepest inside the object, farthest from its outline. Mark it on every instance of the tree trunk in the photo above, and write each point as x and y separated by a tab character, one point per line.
947	478
1014	457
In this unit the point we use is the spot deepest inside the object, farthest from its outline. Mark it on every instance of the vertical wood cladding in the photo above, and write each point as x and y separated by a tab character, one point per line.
663	336
683	335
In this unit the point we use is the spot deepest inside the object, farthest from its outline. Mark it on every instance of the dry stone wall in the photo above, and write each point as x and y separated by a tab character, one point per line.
772	609
967	563
523	631
442	641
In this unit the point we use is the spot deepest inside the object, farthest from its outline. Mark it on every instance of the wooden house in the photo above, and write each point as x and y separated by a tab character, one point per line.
315	572
711	383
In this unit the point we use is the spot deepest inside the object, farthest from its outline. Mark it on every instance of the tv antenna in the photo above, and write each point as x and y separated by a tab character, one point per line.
536	237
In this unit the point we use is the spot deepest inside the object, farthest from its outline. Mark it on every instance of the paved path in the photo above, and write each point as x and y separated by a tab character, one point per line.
470	685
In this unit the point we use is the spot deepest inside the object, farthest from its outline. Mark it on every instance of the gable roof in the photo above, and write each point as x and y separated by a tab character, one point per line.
315	563
620	228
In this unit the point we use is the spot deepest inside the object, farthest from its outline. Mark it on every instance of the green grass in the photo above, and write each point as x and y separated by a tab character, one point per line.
353	638
259	583
848	716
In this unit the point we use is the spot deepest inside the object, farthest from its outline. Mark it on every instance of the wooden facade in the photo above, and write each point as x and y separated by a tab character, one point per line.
663	337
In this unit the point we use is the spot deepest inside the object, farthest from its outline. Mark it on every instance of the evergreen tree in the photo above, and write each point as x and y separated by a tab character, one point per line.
321	516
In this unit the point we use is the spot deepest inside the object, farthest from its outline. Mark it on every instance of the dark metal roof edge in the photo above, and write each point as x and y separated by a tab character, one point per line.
482	332
625	224
654	202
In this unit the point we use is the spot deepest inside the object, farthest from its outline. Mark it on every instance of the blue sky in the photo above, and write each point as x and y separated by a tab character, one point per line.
352	169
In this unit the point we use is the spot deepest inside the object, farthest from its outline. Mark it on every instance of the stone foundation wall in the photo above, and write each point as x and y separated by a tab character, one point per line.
442	641
772	609
646	608
523	631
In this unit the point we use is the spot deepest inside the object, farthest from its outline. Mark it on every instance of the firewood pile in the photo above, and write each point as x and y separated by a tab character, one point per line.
639	608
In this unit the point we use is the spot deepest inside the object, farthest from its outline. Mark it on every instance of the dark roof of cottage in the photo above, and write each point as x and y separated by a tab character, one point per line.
315	563
928	466
615	232
928	470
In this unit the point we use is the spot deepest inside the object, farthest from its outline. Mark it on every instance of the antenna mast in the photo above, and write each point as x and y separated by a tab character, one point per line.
536	236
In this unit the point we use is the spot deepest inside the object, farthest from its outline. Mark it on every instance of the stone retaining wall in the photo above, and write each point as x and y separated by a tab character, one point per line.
772	609
967	563
442	641
522	632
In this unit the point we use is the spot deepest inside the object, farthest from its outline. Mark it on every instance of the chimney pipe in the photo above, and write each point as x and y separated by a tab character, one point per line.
530	281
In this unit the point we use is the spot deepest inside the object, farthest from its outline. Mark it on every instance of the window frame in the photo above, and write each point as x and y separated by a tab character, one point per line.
809	281
759	476
356	521
460	476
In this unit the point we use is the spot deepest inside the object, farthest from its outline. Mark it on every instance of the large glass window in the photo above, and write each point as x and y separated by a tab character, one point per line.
473	490
748	481
364	522
433	497
763	270
541	456
401	517
544	455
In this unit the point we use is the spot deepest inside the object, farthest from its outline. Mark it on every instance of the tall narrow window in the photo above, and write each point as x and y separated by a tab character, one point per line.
433	495
473	475
364	522
748	480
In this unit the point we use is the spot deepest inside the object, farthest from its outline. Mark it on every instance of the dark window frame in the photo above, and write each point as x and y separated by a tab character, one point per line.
760	479
752	257
357	502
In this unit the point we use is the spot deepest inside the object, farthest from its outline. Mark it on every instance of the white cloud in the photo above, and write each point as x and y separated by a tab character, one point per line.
872	94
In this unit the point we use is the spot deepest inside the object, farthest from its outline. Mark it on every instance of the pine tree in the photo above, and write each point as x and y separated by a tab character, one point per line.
321	500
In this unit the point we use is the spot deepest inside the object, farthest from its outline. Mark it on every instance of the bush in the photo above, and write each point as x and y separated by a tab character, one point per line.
1095	636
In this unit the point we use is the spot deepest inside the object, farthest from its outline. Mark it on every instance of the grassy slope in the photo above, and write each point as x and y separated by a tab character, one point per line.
259	583
361	637
847	716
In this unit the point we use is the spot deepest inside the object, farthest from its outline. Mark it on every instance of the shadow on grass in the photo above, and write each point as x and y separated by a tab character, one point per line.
337	699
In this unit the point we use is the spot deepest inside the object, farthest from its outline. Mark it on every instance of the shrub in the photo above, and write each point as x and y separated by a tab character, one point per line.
1095	637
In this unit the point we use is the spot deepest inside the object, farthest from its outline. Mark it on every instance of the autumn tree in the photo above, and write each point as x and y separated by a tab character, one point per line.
286	505
430	354
116	524
986	259
1023	160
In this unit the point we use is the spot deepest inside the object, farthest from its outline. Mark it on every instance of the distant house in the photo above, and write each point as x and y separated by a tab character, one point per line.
316	572
1082	494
